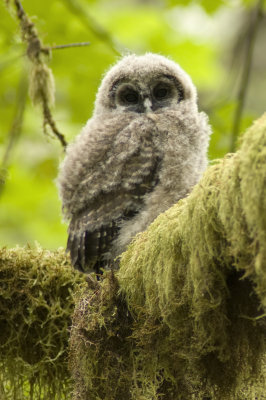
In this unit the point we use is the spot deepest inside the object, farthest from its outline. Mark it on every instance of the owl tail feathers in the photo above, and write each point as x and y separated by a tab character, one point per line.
89	251
73	247
82	258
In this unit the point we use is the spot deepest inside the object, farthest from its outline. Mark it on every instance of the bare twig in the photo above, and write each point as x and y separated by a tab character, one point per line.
48	120
66	46
241	97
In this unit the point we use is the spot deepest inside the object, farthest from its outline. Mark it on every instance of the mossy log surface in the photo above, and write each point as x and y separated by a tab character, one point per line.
183	318
36	305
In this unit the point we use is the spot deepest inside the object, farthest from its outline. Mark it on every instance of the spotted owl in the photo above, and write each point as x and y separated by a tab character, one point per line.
143	149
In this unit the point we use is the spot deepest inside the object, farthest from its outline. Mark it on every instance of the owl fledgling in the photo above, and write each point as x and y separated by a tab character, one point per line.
143	150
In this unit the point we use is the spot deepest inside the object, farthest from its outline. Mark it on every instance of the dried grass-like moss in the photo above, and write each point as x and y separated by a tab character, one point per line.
42	87
195	286
36	304
100	344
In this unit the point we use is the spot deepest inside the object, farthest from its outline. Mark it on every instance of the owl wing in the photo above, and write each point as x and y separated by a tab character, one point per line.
114	190
92	231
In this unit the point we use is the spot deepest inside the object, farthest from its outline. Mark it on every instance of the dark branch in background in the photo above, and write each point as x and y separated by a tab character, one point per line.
16	126
7	60
241	97
93	25
41	84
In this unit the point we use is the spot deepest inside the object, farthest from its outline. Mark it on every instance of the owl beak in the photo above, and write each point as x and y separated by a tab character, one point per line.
147	105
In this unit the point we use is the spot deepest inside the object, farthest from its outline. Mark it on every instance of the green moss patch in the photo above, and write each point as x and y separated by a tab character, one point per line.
36	305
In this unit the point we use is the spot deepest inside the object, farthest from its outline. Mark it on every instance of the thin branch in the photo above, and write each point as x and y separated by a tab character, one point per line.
35	50
67	46
29	33
48	120
241	97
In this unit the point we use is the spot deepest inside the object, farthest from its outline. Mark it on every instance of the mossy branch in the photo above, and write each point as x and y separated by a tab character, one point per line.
188	318
36	304
183	318
41	78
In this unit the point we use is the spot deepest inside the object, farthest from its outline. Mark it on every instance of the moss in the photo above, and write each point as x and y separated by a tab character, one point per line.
183	318
36	305
100	344
190	305
42	87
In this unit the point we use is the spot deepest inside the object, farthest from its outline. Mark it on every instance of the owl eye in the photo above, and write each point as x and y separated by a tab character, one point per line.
160	92
130	96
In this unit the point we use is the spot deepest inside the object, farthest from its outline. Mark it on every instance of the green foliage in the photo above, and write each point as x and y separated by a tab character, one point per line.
209	5
184	318
37	196
30	209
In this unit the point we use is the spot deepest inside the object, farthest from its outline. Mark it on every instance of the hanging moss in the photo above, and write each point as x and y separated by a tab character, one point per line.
36	305
42	85
100	344
188	313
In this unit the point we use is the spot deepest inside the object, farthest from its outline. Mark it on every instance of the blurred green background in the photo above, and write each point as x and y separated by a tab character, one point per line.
207	38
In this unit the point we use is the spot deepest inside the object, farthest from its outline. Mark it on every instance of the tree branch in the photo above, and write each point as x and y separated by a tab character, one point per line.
48	120
41	82
173	325
183	318
245	77
36	304
66	46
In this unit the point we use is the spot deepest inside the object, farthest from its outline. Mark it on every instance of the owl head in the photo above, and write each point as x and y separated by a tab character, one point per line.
144	84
